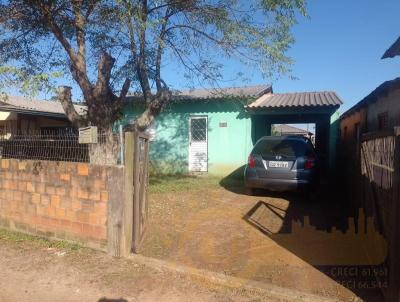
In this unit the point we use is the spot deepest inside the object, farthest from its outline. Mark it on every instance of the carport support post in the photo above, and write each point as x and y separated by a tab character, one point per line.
322	140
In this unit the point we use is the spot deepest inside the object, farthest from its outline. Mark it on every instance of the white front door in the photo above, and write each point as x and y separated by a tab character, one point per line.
198	157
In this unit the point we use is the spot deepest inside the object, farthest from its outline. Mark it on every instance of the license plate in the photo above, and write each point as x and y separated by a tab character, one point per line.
278	164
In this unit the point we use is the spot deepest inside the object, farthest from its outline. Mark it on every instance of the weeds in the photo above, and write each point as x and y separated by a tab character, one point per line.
36	241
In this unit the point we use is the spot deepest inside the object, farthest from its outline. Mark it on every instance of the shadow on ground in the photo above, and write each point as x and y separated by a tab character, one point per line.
234	181
329	234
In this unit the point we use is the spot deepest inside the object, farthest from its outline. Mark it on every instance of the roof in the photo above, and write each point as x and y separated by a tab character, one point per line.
393	50
283	129
382	90
37	107
302	99
216	93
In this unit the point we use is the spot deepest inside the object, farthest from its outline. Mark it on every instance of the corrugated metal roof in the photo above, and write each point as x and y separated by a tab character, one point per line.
302	99
382	90
247	91
11	103
393	50
215	93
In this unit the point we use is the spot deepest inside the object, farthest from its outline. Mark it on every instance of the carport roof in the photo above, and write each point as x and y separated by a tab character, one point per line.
293	100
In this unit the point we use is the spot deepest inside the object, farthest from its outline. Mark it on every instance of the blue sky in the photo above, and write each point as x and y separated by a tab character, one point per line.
340	46
337	48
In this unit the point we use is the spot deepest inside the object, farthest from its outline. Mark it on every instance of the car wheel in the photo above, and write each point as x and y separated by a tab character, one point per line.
250	191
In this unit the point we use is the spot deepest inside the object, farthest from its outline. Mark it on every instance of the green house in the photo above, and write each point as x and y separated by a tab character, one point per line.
214	131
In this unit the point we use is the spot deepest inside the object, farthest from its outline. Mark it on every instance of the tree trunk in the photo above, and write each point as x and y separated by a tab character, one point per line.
107	150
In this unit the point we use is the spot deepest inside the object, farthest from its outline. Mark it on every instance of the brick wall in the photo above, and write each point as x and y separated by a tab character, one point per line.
58	199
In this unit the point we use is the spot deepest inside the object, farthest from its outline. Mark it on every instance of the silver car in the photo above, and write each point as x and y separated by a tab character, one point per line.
281	163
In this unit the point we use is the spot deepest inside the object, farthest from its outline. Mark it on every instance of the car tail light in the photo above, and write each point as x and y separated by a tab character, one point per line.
309	163
251	162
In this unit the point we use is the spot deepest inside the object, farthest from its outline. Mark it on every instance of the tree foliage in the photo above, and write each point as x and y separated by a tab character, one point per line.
109	47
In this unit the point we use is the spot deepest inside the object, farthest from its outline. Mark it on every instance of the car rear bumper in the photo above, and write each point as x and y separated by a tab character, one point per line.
276	184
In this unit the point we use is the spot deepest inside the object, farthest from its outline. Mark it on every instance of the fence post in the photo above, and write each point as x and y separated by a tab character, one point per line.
394	243
120	212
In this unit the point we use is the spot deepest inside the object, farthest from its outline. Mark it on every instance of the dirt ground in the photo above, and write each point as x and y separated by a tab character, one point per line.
35	272
253	237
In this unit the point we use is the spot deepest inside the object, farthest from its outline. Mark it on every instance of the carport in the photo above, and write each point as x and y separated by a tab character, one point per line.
296	108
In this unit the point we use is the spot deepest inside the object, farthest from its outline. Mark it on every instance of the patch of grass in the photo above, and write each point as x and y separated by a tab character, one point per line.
162	183
21	238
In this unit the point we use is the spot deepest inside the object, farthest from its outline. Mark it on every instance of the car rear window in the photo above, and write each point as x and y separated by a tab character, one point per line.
284	147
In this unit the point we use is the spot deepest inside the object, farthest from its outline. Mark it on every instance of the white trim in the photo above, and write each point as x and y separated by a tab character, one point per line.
192	117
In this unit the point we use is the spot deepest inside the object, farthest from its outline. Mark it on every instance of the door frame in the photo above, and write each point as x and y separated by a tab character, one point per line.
190	139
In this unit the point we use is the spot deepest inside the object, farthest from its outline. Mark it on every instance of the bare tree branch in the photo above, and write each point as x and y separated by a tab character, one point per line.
64	96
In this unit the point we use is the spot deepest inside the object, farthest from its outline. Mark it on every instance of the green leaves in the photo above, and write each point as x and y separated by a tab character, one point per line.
25	82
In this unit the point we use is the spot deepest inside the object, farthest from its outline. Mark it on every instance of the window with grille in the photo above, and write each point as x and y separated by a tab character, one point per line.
383	121
198	129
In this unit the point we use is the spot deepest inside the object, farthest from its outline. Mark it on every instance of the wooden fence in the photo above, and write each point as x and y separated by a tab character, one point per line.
126	234
379	182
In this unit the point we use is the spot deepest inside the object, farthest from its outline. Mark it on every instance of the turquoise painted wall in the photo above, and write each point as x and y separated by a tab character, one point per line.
228	147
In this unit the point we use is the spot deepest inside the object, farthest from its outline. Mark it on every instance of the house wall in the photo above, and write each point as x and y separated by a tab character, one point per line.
389	104
228	147
10	122
348	125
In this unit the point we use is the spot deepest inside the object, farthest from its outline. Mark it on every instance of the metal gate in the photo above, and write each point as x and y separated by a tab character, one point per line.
140	186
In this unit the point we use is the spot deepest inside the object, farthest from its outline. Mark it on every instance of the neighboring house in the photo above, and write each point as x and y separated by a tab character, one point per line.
213	131
284	129
393	50
23	115
378	111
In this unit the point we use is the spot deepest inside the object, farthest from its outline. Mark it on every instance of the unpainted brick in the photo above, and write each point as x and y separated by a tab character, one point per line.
45	200
82	217
87	205
35	198
22	186
93	218
76	204
76	227
26	197
40	187
94	196
100	208
70	215
83	169
21	165
50	190
65	177
83	194
17	196
99	184
5	163
60	213
30	187
55	201
51	211
60	191
65	202
104	196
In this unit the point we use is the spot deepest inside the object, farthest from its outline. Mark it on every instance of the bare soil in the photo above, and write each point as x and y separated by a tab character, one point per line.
226	231
34	272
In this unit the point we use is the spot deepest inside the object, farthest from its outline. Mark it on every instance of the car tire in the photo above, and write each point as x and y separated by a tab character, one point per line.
250	191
